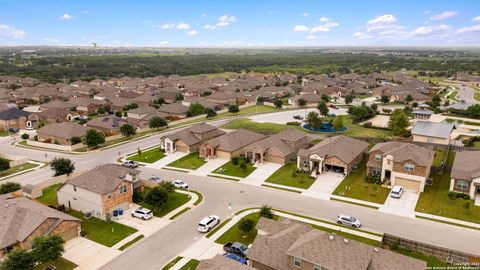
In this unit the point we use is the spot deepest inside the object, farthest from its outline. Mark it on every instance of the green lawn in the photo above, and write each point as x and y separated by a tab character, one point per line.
191	161
476	145
175	201
19	168
131	242
190	265
431	260
172	263
439	157
3	133
49	195
235	170
258	127
434	200
287	175
453	96
355	130
148	156
102	232
60	264
235	235
354	186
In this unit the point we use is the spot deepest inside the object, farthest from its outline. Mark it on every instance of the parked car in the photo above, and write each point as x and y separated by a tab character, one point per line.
180	184
333	106
236	248
28	128
348	221
235	258
155	178
13	130
298	117
130	164
396	192
142	213
206	224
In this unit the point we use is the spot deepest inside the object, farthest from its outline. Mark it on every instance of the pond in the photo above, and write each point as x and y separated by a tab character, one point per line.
325	127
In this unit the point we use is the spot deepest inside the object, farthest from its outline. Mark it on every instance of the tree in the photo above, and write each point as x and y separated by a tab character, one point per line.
302	103
348	99
195	109
409	98
179	97
156	103
233	108
210	112
246	225
313	120
399	123
322	108
75	140
338	123
157	122
9	187
25	136
325	98
93	138
278	103
157	196
436	101
18	259
266	212
62	166
343	70
127	130
48	248
4	165
361	113
374	107
384	99
168	186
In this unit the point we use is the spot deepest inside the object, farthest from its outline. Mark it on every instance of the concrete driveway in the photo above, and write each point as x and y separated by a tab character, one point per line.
88	254
146	227
263	171
404	206
324	186
210	166
166	160
287	116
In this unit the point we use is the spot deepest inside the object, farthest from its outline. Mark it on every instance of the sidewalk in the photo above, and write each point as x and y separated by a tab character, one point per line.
39	166
355	201
210	166
263	172
450	220
169	158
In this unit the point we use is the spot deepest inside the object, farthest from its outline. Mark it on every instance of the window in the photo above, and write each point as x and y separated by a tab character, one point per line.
462	184
317	267
378	157
297	262
123	189
409	167
376	172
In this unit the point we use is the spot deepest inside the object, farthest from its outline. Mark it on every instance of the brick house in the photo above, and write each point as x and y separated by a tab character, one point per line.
230	144
401	164
16	118
101	190
189	139
61	133
23	220
465	175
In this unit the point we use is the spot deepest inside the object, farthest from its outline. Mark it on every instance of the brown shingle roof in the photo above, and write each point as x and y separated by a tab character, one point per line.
235	140
342	147
406	151
65	130
466	165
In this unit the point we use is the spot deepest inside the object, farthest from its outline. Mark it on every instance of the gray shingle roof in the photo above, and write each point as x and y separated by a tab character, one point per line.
13	113
235	140
406	151
433	129
466	165
342	147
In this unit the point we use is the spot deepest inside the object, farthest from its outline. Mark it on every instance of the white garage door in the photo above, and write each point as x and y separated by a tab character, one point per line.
408	184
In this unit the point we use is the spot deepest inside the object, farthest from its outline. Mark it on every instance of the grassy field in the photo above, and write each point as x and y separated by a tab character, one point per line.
49	195
60	264
354	186
175	201
3	133
248	124
235	170
148	156
434	200
234	234
288	176
102	232
439	157
190	265
19	168
191	161
355	130
453	96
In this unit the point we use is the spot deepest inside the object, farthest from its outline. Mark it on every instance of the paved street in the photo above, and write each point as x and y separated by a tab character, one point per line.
287	116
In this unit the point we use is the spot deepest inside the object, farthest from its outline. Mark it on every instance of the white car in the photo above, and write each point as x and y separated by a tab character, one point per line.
348	221
130	164
180	184
142	213
28	128
206	224
396	192
155	178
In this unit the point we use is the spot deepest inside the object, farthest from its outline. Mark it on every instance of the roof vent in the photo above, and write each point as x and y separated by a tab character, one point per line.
345	240
331	237
376	250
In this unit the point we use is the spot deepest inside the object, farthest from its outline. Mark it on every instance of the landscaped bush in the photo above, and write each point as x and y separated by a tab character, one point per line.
373	179
25	136
294	123
367	124
83	232
457	195
266	212
235	160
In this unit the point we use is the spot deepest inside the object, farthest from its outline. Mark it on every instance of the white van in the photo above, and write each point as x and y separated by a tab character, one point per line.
206	224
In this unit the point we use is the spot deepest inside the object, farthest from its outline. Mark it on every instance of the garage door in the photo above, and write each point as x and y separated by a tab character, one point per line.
274	159
408	184
181	148
222	154
69	234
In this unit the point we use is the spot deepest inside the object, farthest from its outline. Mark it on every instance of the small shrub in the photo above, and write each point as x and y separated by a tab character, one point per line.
465	196
108	217
25	136
367	124
137	196
83	232
35	138
467	205
235	160
452	195
266	212
139	152
294	123
243	166
246	226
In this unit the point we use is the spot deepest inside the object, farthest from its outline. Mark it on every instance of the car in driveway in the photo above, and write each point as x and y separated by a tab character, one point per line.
332	106
348	221
207	223
236	248
180	184
155	178
396	192
130	164
237	258
142	213
298	117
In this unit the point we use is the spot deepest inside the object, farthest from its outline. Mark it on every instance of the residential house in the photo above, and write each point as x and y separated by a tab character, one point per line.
101	190
86	105
422	113
278	148
140	112
223	98
339	153
288	245
16	118
56	115
174	111
23	219
230	144
432	132
401	164
311	99
61	133
189	139
108	125
465	175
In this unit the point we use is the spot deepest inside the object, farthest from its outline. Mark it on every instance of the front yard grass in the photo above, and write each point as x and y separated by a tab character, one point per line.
266	128
439	158
175	201
3	133
434	200
19	168
102	232
148	156
355	130
287	175
190	265
49	195
59	264
191	161
234	234
235	170
354	186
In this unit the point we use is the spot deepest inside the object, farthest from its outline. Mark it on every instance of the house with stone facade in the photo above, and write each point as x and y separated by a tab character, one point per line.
230	144
61	133
189	139
432	132
401	164
278	148
339	154
101	190
23	219
16	119
465	175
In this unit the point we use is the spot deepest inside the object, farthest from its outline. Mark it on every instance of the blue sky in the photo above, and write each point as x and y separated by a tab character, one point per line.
246	23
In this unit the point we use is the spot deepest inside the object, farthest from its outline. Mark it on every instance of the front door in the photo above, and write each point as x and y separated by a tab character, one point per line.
478	190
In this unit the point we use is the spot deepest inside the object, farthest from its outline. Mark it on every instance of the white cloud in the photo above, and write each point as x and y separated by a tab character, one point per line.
323	19
183	26
305	14
431	29
301	28
381	22
444	15
361	35
52	40
469	29
192	33
226	20
331	24
168	26
319	28
11	32
223	24
203	15
209	27
67	17
476	19
86	12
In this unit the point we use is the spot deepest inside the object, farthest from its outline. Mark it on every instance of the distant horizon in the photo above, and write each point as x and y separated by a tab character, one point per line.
247	47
